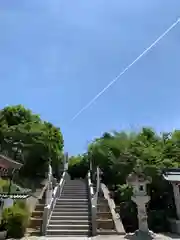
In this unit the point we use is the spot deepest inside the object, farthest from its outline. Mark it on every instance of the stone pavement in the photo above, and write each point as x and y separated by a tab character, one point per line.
113	237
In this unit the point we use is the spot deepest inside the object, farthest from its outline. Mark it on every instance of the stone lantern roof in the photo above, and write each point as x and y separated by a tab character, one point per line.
140	177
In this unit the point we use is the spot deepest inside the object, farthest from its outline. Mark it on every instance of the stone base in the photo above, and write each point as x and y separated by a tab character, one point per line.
141	235
174	225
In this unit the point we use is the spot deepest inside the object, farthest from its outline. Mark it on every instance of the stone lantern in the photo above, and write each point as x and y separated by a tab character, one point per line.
139	182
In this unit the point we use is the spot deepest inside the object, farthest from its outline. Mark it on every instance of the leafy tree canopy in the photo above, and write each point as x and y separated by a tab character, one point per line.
30	140
119	153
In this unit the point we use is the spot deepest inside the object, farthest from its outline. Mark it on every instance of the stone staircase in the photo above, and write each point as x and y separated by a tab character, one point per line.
71	215
105	223
34	228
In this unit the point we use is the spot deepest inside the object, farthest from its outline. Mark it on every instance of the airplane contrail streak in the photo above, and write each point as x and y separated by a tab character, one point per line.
125	70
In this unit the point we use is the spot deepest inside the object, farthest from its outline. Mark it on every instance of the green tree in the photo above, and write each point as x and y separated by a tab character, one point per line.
78	166
26	138
118	154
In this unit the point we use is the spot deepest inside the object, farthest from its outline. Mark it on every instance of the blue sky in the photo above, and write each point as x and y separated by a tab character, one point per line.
56	55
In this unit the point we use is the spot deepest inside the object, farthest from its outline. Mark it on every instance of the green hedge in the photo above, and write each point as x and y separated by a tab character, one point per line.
15	219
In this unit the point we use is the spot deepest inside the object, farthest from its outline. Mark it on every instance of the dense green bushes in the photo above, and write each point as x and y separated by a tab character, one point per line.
15	220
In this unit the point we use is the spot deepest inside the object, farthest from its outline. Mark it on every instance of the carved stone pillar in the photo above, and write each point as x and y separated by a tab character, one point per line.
176	198
141	202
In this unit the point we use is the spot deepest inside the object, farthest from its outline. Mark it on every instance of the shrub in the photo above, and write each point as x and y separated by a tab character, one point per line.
21	204
78	167
4	186
16	220
157	220
123	193
128	214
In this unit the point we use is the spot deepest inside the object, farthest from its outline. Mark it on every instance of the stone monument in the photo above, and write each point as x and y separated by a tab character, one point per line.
139	182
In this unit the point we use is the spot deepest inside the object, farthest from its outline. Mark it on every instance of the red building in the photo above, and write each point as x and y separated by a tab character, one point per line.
8	165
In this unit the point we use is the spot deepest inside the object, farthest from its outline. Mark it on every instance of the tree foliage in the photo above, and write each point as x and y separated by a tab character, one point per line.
78	166
26	138
119	153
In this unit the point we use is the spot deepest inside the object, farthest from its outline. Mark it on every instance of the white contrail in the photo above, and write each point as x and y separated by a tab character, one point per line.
125	70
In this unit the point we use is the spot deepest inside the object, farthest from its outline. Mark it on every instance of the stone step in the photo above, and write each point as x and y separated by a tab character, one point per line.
72	206
74	192
34	222
102	201
99	210
39	207
70	232
105	224
102	205
68	222
77	180
102	208
75	189
75	186
67	227
70	217
37	213
70	236
83	186
69	213
75	195
106	232
74	199
71	202
58	209
33	232
104	215
41	201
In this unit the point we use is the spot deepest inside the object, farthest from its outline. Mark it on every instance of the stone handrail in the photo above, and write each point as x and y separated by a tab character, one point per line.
43	191
92	204
49	207
115	216
93	199
36	197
